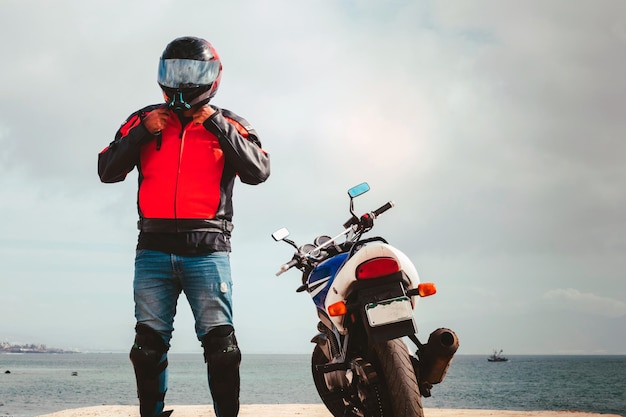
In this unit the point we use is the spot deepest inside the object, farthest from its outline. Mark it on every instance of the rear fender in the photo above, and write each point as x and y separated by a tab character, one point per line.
379	294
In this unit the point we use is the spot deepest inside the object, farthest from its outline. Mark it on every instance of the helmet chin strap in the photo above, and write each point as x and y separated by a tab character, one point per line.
178	103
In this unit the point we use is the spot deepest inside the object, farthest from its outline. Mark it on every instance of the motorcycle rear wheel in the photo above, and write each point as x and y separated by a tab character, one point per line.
398	395
394	362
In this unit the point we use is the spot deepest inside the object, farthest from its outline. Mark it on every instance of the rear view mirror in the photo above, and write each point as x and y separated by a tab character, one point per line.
280	234
358	190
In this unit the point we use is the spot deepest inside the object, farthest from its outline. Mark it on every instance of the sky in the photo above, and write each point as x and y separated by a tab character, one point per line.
497	128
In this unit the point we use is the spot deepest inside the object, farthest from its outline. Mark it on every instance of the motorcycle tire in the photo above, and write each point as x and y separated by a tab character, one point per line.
333	401
400	398
392	359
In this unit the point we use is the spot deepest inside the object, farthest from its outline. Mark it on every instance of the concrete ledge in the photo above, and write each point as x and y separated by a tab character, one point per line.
292	410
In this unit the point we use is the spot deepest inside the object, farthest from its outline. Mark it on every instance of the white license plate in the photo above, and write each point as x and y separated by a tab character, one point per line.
389	311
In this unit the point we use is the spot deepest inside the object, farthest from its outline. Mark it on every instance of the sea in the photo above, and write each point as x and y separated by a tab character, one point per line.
33	384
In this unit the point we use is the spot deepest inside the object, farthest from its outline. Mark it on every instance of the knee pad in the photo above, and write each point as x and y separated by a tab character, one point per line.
220	348
149	358
148	351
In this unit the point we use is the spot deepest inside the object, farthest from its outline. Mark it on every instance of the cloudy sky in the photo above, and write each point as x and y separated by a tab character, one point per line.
496	127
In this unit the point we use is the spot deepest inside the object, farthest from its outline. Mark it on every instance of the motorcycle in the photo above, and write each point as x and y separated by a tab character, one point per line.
365	291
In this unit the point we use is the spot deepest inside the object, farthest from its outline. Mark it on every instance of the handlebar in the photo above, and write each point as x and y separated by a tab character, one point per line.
365	223
383	209
380	210
287	266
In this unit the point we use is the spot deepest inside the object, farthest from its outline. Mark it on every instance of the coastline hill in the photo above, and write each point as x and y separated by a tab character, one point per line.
6	347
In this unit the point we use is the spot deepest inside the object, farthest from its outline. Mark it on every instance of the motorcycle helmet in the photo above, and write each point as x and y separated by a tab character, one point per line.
189	72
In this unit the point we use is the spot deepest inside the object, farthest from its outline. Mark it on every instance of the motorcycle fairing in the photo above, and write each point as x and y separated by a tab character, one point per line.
321	278
345	277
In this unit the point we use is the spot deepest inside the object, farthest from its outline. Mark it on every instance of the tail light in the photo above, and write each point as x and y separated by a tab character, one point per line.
377	267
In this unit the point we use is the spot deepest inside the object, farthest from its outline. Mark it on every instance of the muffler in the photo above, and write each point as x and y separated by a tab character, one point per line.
436	355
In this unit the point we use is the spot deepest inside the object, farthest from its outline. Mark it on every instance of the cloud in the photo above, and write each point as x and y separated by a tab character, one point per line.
574	299
495	127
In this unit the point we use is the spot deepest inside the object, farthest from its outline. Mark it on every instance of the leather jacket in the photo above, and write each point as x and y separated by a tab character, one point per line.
187	172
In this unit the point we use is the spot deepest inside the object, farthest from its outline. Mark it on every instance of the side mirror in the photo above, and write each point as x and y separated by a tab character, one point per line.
353	192
280	234
358	190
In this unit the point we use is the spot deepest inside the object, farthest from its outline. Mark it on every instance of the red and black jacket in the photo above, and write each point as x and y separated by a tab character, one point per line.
187	173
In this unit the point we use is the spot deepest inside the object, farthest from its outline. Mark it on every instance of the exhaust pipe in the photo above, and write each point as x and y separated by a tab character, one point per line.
436	355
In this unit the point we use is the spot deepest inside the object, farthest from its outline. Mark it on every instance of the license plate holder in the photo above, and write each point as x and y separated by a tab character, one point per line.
389	311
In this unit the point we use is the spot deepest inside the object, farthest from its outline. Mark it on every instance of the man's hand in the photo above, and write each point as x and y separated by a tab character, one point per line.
156	120
202	113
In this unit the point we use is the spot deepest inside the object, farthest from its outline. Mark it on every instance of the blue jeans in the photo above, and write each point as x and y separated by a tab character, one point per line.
161	277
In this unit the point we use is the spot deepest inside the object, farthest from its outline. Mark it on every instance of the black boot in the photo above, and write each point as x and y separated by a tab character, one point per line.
223	357
149	358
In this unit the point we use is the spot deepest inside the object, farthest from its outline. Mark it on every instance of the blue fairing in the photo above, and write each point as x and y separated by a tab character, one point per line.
322	277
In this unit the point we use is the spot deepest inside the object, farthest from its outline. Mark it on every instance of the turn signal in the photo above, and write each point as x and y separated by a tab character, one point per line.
377	267
337	309
426	288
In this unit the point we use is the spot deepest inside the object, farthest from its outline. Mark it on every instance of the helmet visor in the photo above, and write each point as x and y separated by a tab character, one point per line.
185	73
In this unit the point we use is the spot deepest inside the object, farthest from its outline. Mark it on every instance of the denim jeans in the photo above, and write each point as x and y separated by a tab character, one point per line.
161	277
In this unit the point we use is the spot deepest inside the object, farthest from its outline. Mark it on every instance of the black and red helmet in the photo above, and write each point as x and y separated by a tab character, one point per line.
189	72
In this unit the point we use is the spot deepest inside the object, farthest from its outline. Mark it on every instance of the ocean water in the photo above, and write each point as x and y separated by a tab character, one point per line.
44	383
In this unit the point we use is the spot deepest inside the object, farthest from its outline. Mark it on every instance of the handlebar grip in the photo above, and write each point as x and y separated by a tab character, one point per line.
383	209
350	222
287	266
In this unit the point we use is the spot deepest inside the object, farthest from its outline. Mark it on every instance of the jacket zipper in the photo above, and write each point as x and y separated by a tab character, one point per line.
180	158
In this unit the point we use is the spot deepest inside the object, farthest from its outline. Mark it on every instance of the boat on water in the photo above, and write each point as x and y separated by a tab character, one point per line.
497	357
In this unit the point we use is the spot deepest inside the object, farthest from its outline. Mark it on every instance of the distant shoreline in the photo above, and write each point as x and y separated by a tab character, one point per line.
31	348
21	352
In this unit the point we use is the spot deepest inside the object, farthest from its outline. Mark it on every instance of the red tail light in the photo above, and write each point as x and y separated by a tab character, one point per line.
377	267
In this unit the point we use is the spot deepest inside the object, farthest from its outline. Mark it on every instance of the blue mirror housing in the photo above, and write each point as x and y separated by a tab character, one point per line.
358	190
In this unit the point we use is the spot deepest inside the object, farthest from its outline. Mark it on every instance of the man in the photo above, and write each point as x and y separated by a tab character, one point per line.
188	154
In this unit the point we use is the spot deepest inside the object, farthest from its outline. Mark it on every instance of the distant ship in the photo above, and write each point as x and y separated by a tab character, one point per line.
497	357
